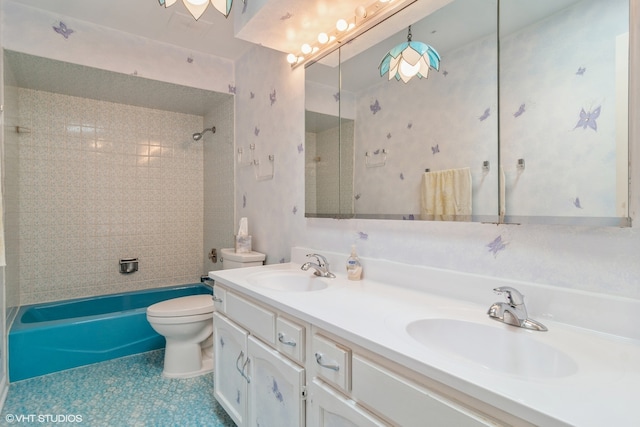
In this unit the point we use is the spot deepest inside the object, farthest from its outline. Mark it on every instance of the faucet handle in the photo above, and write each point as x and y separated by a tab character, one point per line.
513	296
322	261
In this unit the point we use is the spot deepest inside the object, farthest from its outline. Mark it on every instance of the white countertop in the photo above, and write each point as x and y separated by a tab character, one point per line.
602	390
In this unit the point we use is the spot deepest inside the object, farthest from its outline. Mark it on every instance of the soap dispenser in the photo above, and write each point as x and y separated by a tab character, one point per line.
354	268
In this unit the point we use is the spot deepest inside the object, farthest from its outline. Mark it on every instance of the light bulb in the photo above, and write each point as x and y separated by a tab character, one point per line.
361	12
291	58
341	25
305	48
408	69
323	38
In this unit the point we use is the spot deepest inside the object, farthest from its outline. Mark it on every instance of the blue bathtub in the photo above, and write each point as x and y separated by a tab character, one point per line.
51	337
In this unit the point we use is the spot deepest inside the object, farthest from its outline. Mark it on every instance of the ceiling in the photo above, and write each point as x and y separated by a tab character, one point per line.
212	33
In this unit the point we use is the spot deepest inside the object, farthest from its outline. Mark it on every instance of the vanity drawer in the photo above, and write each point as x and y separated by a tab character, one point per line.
332	362
219	298
404	402
258	320
290	339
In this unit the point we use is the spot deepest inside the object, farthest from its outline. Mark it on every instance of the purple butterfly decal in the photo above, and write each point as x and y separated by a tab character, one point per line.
409	218
401	176
435	149
445	73
409	125
588	119
581	71
389	135
63	30
300	148
272	97
496	246
282	261
295	210
190	59
256	131
375	107
287	16
377	151
252	95
362	235
244	8
221	342
238	397
576	203
336	96
232	89
244	200
485	115
520	111
357	196
275	391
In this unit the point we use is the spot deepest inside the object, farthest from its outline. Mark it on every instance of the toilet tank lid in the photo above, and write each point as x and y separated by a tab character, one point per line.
232	255
183	306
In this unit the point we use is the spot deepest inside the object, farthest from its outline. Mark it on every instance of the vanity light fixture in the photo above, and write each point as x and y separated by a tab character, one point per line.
364	17
409	59
197	7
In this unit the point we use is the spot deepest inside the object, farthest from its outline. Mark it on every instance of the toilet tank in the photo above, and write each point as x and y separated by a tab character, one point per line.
233	259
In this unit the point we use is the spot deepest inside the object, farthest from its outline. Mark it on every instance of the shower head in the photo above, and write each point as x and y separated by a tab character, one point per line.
198	135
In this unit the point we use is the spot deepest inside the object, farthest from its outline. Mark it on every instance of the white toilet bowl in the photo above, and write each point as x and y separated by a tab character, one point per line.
187	325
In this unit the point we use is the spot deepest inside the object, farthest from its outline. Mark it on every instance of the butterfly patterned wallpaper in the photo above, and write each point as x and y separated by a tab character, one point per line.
559	110
269	112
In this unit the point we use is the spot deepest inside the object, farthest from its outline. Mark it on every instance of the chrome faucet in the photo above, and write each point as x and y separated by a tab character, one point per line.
322	267
513	312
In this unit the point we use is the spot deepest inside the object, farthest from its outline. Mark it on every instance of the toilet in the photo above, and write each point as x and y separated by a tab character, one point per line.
187	325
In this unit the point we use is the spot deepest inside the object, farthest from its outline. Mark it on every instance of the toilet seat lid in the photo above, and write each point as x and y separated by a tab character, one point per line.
183	306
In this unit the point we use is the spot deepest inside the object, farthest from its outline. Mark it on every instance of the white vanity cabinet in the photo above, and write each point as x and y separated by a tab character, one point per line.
255	383
260	378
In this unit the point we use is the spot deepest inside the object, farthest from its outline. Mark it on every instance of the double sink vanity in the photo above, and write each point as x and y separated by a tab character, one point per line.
416	346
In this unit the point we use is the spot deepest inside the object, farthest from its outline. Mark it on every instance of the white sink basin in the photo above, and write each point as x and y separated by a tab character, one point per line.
289	281
503	348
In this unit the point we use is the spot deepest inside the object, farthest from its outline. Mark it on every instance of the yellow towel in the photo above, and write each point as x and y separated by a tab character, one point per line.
446	195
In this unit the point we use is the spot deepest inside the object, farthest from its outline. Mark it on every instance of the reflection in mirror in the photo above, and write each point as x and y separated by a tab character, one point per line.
564	117
328	143
446	122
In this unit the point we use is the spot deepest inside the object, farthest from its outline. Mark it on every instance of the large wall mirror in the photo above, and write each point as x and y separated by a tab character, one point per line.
552	147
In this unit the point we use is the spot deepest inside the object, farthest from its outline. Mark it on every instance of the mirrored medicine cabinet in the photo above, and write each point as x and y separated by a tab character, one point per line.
535	106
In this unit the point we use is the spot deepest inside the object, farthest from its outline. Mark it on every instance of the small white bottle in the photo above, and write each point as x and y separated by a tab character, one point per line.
354	268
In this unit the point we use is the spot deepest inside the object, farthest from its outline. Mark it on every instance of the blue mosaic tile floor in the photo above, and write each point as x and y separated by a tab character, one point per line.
123	392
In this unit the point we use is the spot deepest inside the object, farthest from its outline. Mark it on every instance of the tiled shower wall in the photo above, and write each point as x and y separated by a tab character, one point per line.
100	181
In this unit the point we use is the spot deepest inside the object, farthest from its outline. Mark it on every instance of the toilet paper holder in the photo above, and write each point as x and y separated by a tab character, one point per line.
128	265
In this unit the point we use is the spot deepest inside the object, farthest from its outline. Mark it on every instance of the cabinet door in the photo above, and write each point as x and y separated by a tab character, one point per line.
328	408
275	388
230	355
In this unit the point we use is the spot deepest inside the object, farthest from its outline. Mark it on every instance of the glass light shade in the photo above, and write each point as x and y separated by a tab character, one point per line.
223	6
409	59
323	38
196	9
305	48
291	58
341	25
